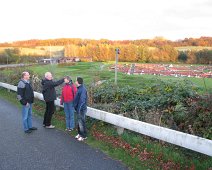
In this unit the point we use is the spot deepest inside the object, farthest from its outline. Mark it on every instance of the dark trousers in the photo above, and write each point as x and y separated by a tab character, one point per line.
50	109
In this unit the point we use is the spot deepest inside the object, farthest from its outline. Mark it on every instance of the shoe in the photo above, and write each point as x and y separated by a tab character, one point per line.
67	129
50	127
28	131
33	128
78	136
81	138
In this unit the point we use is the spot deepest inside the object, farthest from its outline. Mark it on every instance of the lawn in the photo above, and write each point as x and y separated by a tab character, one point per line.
100	71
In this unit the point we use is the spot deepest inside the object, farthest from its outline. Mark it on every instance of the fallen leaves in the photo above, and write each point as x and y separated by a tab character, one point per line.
157	161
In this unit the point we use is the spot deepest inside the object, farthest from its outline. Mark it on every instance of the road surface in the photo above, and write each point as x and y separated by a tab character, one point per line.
45	149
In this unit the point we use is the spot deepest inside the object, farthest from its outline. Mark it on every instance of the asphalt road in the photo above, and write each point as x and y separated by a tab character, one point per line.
45	149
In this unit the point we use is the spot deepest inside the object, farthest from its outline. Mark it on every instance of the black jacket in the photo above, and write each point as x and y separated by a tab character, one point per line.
49	93
25	92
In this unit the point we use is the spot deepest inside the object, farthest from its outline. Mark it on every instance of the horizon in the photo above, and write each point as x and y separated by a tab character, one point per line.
112	20
10	42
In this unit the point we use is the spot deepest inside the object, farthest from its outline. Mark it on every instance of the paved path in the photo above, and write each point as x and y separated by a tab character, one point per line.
48	149
12	65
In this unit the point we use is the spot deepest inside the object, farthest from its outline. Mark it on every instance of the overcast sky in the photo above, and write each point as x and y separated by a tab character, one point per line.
109	19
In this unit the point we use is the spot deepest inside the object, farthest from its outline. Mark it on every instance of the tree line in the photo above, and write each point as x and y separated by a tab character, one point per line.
156	42
134	53
147	51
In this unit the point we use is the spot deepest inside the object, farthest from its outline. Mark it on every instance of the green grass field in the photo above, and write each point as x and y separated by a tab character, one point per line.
95	71
99	71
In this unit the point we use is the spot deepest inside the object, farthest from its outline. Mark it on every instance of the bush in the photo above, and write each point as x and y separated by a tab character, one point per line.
170	104
199	117
14	76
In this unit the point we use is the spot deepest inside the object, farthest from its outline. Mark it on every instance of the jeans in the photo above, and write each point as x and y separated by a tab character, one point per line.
27	116
69	112
50	109
81	123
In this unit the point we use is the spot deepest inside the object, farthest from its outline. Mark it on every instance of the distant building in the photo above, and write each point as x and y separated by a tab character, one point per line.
68	59
48	61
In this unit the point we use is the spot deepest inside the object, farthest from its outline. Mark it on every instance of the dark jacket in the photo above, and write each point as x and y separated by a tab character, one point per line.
80	100
48	91
25	92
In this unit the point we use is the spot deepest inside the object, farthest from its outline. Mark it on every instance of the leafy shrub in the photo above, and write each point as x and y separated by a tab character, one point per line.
170	104
14	75
199	116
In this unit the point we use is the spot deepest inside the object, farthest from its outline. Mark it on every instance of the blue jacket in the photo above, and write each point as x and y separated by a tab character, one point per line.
80	100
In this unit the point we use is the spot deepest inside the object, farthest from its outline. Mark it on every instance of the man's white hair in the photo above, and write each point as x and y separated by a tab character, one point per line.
47	74
24	73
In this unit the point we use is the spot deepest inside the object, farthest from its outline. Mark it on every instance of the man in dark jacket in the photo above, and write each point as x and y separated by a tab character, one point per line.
80	105
26	98
49	95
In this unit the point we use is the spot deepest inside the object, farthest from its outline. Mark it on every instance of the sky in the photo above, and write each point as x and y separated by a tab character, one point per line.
104	19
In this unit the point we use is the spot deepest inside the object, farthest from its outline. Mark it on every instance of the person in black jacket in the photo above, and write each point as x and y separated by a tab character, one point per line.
26	98
49	95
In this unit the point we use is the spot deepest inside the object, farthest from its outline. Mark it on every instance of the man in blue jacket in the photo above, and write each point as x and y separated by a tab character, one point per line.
80	105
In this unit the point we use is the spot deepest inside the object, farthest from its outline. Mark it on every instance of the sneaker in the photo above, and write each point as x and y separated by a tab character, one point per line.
33	128
70	130
78	136
81	138
28	131
50	127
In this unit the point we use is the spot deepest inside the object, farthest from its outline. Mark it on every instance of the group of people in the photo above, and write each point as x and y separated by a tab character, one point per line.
73	98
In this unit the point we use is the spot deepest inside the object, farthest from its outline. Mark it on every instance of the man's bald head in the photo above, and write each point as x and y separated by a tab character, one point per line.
48	76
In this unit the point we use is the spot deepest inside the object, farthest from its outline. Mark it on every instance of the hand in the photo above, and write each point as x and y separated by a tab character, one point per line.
23	102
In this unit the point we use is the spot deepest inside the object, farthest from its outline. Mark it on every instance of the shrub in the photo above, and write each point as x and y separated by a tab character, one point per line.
14	75
199	116
174	105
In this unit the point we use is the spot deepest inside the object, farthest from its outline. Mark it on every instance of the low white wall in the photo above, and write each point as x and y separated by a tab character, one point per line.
188	141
